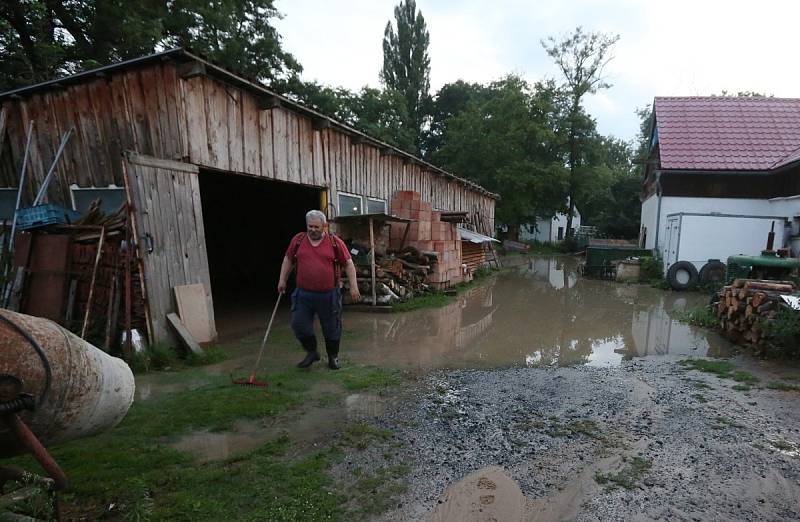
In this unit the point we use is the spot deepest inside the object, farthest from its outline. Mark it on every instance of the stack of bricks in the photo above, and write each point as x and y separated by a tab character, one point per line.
428	233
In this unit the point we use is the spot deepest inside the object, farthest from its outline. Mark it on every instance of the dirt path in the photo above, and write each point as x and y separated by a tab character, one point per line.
647	440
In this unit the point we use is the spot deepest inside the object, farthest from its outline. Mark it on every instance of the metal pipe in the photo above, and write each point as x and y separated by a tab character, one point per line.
39	452
10	281
46	182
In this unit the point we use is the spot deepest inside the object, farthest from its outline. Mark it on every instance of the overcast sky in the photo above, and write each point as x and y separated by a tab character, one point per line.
666	48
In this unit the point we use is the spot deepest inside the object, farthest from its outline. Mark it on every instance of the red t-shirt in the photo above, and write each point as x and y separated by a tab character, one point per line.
314	264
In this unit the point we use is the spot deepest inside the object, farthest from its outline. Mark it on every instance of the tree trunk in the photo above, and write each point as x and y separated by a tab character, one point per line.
573	160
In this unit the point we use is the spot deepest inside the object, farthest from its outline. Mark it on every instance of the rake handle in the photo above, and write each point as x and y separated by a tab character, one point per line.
266	334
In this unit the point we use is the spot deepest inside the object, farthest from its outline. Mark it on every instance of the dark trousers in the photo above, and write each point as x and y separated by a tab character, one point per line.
326	305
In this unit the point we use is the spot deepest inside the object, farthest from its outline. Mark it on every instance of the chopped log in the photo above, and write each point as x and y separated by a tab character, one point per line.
758	298
748	311
770	286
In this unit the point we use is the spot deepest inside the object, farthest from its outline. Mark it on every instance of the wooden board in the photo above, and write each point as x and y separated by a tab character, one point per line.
183	333
193	311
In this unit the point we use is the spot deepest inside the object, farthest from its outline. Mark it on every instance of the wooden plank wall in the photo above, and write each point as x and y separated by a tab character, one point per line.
210	123
135	109
227	131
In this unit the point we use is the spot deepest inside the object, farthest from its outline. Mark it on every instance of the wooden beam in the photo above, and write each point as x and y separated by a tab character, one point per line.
268	102
387	151
191	69
183	333
159	163
357	139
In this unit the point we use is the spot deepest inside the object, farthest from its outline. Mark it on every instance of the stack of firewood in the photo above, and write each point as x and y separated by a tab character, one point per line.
744	305
398	277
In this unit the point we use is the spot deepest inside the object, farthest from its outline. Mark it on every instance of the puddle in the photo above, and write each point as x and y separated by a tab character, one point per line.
540	313
488	494
304	427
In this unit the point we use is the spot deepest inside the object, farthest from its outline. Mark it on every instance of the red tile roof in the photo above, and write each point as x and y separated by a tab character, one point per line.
727	133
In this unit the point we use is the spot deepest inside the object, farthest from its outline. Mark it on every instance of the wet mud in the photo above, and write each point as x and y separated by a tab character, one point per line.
540	395
634	442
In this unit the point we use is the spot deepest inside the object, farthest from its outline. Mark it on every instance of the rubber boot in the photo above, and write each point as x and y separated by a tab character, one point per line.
332	347
310	346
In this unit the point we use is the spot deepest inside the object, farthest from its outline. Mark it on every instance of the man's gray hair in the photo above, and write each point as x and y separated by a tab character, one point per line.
315	214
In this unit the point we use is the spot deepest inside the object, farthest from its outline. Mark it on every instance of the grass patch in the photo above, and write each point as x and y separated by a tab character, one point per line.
702	316
432	300
439	299
627	477
740	387
722	369
699	397
134	468
161	357
375	493
360	435
783	386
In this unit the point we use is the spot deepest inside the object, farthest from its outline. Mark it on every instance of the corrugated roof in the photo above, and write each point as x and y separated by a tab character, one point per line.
727	133
474	237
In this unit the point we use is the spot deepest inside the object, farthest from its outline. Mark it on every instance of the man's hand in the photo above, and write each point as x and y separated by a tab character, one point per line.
281	287
355	295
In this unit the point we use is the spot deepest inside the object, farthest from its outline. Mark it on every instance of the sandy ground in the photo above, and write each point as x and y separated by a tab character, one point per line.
644	441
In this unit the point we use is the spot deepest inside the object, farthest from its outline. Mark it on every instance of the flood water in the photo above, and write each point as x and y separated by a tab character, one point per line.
540	313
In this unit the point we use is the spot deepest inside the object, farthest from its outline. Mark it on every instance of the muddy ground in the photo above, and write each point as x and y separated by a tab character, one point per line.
648	440
535	395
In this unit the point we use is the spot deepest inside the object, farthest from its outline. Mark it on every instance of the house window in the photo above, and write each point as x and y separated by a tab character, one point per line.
349	205
376	206
560	233
111	198
8	202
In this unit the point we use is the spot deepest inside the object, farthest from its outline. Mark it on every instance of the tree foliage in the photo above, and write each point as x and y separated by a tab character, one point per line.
406	64
504	140
44	39
581	58
381	113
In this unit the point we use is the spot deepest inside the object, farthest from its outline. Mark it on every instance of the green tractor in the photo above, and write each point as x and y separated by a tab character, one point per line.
766	266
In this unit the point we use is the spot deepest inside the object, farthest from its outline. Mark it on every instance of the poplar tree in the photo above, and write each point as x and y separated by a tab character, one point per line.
406	64
581	58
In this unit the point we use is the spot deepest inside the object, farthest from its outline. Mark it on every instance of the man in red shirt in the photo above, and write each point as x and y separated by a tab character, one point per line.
318	258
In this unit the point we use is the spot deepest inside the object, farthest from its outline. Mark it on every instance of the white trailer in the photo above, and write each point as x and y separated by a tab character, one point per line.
697	238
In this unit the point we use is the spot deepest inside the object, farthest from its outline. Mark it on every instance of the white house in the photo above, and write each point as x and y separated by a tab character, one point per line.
549	230
721	173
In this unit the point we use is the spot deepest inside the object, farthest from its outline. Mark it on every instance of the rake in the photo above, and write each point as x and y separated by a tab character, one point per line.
252	380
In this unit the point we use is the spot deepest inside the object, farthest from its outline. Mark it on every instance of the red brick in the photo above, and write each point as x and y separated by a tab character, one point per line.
436	216
424	205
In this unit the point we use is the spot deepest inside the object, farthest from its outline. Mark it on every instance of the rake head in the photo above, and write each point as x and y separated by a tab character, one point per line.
250	382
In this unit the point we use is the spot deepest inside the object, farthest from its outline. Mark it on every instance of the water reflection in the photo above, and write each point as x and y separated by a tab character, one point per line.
541	313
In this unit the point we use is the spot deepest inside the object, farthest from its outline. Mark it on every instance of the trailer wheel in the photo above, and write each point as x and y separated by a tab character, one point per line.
713	271
681	275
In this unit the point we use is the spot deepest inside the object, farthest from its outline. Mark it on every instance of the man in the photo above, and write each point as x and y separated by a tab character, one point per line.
318	258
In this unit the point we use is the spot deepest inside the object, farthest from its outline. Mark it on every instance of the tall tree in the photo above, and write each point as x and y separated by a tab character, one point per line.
406	64
451	100
581	58
505	141
43	39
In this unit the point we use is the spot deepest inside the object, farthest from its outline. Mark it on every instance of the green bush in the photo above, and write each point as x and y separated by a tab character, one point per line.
782	334
651	269
703	316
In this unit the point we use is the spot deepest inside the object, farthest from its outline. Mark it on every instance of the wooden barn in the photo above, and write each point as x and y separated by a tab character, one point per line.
217	171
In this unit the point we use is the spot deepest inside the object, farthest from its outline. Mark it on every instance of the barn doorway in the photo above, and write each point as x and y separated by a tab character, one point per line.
248	224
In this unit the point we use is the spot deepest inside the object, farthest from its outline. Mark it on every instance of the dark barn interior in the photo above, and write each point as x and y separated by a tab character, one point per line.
248	225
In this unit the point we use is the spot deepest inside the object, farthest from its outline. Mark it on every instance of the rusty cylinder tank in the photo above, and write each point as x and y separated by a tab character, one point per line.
79	389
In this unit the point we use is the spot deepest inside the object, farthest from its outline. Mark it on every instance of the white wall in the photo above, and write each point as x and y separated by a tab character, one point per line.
649	219
715	229
547	229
